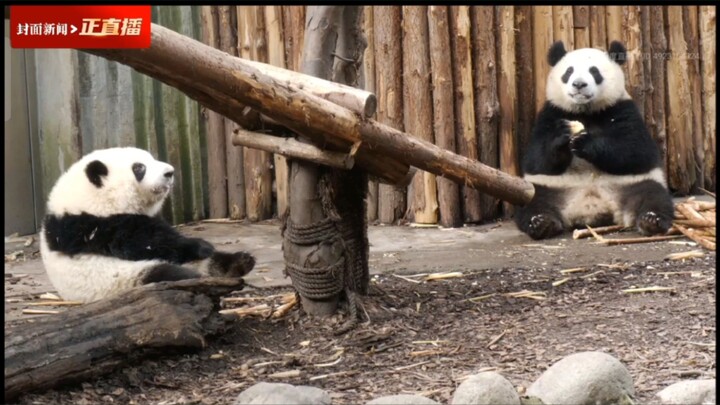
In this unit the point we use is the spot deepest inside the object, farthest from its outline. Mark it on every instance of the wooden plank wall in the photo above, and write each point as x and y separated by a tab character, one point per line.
86	103
499	69
479	98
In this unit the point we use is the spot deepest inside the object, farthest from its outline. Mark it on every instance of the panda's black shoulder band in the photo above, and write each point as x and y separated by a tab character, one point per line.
124	236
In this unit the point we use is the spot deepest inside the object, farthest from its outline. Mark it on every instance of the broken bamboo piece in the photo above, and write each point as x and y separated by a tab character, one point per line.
291	148
586	233
172	57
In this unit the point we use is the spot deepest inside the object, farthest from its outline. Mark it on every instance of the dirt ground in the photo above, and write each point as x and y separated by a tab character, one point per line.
425	337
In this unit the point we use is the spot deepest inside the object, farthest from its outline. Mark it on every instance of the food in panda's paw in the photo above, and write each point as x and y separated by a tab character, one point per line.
576	127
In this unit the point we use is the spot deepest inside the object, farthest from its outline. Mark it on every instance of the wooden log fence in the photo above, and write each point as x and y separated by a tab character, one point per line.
670	74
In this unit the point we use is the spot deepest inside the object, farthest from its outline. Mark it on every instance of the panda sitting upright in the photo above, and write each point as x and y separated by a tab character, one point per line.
590	157
100	235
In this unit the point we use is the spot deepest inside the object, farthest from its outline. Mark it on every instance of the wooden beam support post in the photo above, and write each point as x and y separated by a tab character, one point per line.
291	148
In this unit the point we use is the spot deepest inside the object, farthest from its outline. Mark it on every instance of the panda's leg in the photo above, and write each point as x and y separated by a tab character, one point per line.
541	218
648	206
167	272
224	264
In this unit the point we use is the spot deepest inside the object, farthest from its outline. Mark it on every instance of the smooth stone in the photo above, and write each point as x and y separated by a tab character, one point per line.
586	378
487	388
691	392
402	400
279	393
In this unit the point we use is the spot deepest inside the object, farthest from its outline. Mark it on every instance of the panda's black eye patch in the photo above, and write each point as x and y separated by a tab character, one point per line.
94	171
596	75
139	171
566	76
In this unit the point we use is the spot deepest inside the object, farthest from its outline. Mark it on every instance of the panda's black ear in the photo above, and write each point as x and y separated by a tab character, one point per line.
95	170
617	52
556	52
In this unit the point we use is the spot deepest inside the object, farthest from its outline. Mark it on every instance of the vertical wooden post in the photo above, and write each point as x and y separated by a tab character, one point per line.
369	82
692	59
542	39
443	109
633	42
417	108
658	56
681	159
234	158
306	208
525	88
214	129
258	177
294	34
505	17
581	26
276	57
466	130
614	24
487	108
563	26
598	29
708	54
387	22
647	61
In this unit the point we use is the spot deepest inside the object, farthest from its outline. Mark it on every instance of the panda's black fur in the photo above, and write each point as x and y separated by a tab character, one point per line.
622	156
101	234
137	237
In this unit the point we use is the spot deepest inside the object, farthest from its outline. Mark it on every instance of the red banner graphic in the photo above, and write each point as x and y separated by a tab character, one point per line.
80	26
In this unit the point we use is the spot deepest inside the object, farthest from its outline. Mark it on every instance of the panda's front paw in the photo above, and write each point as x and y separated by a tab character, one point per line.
542	226
579	142
565	134
651	223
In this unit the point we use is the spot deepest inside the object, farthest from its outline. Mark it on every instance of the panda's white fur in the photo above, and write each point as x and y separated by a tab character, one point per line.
594	97
82	271
588	178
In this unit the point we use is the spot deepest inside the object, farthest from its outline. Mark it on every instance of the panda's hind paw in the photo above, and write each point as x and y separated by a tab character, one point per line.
542	226
235	264
650	223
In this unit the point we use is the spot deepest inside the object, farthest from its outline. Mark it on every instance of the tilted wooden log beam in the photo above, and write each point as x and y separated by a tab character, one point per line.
174	58
228	85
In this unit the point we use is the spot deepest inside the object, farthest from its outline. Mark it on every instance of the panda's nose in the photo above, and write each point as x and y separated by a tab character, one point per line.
168	174
579	84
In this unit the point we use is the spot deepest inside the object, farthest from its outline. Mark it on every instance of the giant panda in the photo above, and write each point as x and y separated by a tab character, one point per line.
101	236
590	157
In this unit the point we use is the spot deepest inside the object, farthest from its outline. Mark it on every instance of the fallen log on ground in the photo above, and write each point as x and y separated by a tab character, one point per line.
96	338
174	58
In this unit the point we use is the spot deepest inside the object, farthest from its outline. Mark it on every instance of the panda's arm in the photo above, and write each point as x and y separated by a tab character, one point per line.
138	237
125	236
549	150
621	144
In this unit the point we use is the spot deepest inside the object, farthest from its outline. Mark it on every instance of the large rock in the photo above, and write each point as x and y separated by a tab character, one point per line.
486	389
402	400
587	378
691	392
277	394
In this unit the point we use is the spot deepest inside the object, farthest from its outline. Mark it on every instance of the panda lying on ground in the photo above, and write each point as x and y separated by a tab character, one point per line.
100	235
590	157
